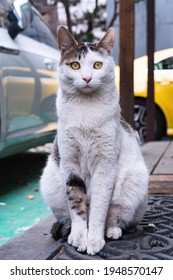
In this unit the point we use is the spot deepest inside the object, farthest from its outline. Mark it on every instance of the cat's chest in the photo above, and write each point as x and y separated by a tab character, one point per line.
84	138
82	144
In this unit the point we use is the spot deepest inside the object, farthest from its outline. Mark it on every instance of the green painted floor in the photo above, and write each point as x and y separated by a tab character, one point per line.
21	205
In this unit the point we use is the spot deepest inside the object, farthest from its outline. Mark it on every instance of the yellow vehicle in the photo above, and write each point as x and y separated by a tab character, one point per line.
163	84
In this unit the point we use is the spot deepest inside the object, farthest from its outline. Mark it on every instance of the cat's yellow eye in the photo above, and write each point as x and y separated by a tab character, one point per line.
75	65
98	65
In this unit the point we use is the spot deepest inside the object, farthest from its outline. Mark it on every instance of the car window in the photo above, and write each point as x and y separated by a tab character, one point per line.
164	64
40	31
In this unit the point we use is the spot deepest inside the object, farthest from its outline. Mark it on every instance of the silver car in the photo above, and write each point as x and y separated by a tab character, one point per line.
28	82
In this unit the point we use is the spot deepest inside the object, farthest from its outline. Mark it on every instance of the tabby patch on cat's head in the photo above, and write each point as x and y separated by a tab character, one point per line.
70	48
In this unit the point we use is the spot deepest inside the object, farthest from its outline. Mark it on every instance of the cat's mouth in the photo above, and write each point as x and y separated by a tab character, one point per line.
87	88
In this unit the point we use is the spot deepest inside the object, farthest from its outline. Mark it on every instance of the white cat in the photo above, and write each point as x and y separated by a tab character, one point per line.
97	183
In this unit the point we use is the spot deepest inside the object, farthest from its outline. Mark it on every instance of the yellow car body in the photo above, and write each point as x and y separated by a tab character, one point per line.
163	83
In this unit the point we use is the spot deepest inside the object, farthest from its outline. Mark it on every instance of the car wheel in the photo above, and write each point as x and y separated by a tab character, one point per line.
140	121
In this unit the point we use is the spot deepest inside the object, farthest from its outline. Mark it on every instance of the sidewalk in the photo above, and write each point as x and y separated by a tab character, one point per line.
153	238
159	159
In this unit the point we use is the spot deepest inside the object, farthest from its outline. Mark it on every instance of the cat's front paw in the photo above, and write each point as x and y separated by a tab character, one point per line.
95	245
78	240
114	232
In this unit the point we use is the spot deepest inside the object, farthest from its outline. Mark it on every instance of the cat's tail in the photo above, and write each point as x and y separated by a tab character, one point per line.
61	230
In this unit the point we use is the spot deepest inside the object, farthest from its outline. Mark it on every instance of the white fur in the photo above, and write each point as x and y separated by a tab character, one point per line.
111	165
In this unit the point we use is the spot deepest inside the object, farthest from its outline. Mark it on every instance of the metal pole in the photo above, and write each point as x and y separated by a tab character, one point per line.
126	59
150	53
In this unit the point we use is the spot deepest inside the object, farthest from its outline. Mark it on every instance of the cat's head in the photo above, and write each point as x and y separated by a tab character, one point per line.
85	67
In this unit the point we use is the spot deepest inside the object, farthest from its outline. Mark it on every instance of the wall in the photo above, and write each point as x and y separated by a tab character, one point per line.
164	26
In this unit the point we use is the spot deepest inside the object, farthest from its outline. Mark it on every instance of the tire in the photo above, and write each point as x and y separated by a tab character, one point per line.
140	121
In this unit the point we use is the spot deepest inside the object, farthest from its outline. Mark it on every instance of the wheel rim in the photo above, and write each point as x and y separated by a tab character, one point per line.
140	121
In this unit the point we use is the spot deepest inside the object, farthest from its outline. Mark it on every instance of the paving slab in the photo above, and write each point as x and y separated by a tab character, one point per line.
165	165
158	156
153	152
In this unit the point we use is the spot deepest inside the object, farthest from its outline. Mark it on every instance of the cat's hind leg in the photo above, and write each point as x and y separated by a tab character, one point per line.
54	194
114	232
113	229
129	202
61	229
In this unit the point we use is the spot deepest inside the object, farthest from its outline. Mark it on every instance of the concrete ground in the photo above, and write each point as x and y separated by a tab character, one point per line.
152	239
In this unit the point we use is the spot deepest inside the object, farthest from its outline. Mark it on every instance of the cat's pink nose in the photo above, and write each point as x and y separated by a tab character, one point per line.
87	79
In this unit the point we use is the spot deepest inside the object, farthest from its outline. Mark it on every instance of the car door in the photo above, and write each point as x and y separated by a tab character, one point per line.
164	86
8	49
29	82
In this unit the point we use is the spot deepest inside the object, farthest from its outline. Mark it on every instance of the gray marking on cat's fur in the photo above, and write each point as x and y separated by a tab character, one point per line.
76	193
77	51
55	152
76	181
126	125
61	230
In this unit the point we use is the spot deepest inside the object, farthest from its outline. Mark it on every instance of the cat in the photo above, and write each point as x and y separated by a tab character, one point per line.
95	181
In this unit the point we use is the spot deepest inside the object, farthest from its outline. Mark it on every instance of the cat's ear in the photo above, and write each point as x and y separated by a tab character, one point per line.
107	42
65	39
